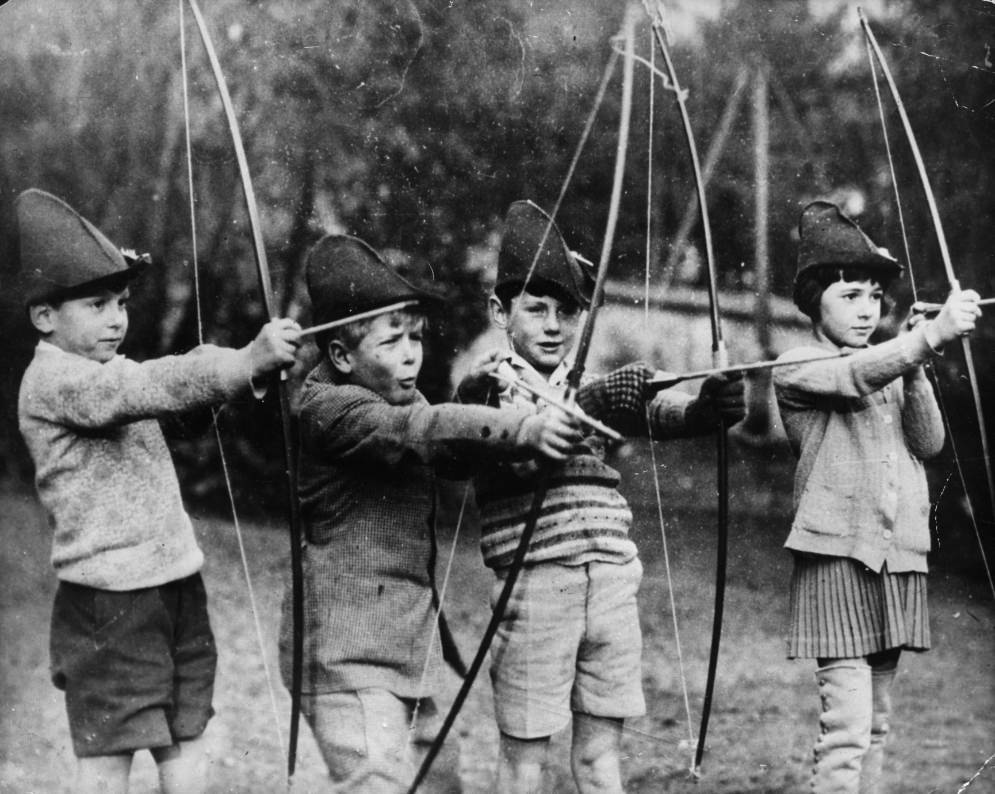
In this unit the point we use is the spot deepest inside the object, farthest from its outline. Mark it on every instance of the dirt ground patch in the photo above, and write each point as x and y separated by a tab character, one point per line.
764	714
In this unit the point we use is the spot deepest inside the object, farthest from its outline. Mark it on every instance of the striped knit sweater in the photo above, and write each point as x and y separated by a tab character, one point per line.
584	518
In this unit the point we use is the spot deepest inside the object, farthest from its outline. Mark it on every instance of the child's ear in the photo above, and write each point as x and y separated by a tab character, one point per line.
340	357
498	315
40	315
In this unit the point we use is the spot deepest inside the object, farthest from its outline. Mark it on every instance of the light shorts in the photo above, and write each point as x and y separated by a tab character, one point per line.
569	642
137	666
363	738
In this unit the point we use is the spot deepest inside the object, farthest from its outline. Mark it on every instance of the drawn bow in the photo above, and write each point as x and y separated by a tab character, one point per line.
266	286
720	359
573	381
872	46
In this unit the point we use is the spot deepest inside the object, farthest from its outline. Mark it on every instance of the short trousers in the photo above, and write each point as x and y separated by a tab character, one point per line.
841	609
364	738
137	666
569	642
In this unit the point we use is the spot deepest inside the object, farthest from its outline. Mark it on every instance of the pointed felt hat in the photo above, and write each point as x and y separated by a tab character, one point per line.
528	230
828	237
345	277
62	252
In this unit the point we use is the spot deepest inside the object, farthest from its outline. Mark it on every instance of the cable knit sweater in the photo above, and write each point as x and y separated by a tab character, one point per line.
102	469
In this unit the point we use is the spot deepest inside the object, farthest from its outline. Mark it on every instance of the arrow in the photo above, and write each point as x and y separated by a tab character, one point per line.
922	307
665	380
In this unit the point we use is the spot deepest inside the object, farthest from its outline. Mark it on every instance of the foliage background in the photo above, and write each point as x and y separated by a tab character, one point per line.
414	124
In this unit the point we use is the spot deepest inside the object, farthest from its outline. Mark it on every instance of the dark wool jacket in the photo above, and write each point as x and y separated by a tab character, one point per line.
366	491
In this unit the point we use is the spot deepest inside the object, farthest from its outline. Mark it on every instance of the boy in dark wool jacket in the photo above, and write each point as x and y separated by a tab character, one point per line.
370	447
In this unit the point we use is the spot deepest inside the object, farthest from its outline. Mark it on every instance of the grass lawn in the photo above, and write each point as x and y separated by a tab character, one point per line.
764	713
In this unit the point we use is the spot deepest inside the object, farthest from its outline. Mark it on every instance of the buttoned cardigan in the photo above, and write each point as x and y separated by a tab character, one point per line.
861	425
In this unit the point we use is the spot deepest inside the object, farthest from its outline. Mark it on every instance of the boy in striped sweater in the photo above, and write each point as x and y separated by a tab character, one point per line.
570	642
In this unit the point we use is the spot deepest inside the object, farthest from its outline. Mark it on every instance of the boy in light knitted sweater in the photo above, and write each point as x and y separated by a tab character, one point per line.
131	645
569	643
371	446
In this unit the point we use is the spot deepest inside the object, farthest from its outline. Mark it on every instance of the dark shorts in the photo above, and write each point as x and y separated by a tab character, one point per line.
137	666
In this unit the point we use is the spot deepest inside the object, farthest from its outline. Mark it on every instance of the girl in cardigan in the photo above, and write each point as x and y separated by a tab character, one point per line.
861	423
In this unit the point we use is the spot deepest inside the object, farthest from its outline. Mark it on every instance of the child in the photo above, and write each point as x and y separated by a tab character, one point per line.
860	425
570	639
131	645
370	447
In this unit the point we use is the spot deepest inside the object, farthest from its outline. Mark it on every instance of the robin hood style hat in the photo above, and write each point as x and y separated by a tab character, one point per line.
62	253
526	228
828	237
346	277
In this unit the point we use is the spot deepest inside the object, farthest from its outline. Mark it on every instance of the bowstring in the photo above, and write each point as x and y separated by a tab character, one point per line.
585	134
649	182
436	623
571	169
652	446
215	413
934	378
588	127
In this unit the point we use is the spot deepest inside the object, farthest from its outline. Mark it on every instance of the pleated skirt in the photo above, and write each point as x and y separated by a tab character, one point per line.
841	609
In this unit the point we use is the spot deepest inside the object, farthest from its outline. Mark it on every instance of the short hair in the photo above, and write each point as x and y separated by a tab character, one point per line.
351	334
116	282
812	282
537	288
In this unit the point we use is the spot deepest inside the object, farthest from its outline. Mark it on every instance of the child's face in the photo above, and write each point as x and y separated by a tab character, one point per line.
540	329
388	359
92	326
849	311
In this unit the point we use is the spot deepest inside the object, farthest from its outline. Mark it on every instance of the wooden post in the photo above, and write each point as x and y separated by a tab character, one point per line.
758	421
715	149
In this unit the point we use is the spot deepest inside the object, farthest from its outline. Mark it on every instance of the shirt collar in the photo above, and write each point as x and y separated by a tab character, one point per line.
558	377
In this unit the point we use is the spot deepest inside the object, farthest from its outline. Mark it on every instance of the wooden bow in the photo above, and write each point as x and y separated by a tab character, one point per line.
720	360
266	286
573	381
873	48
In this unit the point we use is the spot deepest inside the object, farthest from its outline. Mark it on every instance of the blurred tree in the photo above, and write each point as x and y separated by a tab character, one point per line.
414	124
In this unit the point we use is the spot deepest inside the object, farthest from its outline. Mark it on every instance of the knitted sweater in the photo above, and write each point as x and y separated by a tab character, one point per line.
861	426
584	518
102	469
366	494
